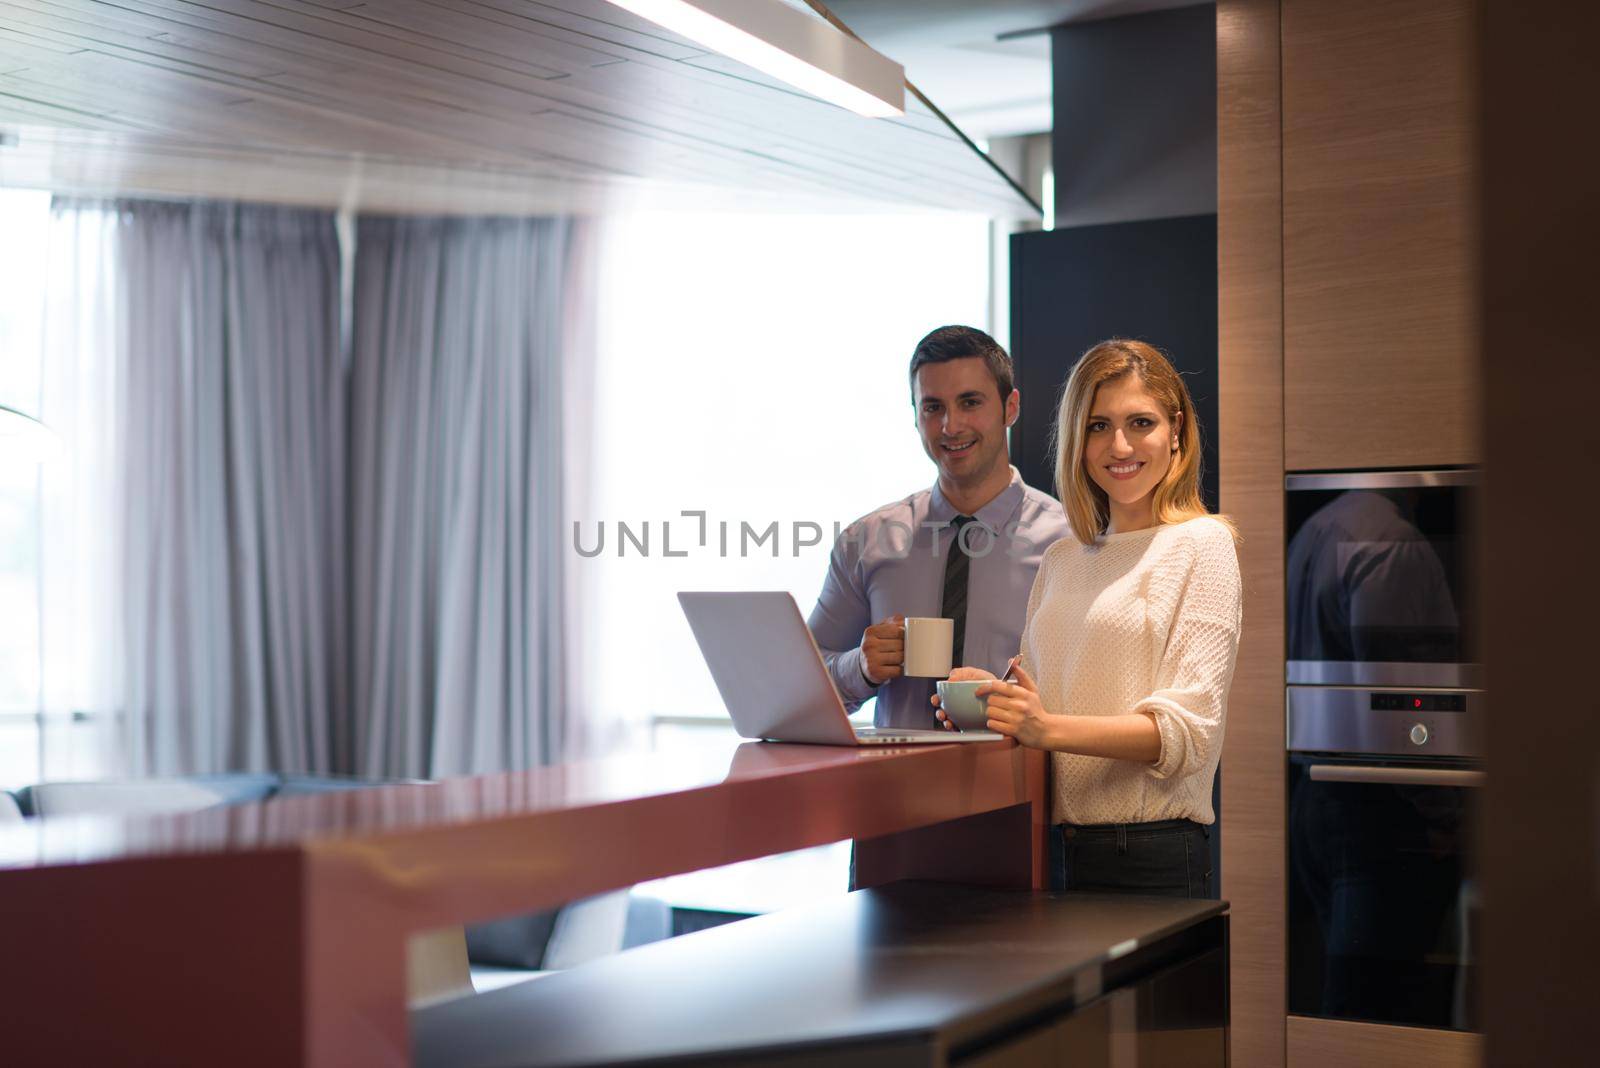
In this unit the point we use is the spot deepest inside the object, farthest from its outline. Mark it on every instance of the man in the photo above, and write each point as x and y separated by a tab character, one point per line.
907	558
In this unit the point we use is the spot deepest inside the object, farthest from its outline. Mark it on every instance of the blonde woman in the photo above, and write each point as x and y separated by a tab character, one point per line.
1130	637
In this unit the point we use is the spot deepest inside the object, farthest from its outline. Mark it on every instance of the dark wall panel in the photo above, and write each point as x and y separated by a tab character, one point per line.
1155	281
1135	132
1540	226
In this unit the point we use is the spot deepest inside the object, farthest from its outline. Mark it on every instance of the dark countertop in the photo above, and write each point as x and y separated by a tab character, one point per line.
906	959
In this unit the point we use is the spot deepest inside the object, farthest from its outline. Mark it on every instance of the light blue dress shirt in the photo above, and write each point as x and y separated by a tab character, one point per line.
893	561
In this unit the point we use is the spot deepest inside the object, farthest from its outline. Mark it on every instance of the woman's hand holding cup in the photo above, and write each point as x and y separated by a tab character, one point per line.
1015	709
960	674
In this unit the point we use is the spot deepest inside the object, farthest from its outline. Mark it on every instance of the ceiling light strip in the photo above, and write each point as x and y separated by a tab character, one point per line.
789	45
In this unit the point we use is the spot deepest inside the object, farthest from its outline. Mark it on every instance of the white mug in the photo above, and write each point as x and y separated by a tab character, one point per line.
928	645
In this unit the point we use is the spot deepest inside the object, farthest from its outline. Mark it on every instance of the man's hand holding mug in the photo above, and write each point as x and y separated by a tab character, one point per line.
883	650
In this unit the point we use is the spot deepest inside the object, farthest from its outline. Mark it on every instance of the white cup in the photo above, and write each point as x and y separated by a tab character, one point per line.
928	644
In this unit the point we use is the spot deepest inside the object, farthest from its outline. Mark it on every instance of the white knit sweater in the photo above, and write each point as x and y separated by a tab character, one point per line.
1142	621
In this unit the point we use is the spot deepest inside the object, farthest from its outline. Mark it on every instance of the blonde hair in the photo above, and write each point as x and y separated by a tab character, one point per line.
1177	498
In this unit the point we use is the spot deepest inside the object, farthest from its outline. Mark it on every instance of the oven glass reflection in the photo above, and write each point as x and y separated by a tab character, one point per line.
1378	579
1383	903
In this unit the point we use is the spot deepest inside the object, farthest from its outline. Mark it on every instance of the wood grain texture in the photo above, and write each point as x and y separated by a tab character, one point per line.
1380	332
1251	420
578	100
1315	1043
1006	847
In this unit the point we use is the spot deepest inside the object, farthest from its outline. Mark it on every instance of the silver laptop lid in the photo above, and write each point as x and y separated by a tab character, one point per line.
767	667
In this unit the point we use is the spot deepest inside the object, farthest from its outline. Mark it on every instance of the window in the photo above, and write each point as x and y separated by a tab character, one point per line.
54	492
23	220
752	368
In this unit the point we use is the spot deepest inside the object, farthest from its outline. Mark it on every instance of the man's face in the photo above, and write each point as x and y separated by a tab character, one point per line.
962	420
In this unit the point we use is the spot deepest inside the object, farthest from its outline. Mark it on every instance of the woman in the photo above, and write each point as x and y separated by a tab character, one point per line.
1131	635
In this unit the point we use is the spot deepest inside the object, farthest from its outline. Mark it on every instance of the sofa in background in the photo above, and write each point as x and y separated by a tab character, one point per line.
130	797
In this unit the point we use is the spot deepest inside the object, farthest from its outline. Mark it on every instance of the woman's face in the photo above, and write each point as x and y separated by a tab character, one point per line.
1128	445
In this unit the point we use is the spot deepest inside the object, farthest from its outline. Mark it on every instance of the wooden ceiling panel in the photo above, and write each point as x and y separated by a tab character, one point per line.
302	38
382	26
468	32
561	105
44	116
77	28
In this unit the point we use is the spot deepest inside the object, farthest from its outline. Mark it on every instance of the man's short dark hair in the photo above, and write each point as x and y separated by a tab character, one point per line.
959	343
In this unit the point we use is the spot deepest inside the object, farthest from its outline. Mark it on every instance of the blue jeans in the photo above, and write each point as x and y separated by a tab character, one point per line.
1169	858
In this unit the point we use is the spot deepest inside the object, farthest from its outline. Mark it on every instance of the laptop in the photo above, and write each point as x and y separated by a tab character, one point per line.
771	676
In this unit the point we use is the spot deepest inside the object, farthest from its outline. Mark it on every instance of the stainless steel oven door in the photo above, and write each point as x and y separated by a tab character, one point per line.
1378	579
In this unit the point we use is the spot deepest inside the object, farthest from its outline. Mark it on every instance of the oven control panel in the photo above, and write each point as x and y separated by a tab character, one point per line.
1383	722
1384	701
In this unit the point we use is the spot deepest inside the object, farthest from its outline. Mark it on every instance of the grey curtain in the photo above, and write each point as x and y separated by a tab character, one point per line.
458	591
229	407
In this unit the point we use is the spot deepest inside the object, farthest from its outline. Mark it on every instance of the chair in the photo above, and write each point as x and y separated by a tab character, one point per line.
510	950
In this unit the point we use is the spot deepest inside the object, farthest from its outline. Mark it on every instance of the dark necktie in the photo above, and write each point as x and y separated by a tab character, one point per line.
955	589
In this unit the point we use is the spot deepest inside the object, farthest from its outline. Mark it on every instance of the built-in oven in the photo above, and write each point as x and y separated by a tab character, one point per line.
1384	702
1383	891
1379	579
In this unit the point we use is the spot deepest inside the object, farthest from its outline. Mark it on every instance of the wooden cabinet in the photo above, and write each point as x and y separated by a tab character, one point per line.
1379	273
1250	446
1316	1043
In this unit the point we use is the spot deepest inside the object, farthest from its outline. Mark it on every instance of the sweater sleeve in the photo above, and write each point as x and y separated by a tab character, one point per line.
1196	666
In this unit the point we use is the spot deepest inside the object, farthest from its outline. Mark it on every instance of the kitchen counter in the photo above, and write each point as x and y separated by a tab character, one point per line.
912	973
275	933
